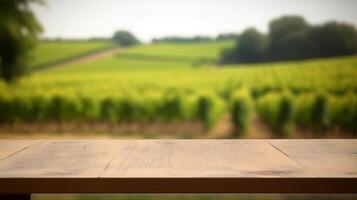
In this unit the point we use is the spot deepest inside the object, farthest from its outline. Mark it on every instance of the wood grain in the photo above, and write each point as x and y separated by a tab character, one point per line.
206	158
184	166
324	158
59	159
9	147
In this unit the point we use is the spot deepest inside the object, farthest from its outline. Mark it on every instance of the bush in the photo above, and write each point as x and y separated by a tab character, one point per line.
37	107
312	111
343	112
8	109
62	108
172	108
303	106
4	109
285	114
278	111
126	110
320	112
147	107
88	108
241	109
210	109
109	110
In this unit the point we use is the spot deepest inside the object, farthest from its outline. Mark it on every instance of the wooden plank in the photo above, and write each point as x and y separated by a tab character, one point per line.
324	158
181	166
10	147
59	159
346	145
317	145
203	158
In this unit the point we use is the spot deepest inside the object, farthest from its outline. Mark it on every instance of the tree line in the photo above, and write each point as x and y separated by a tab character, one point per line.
198	38
292	38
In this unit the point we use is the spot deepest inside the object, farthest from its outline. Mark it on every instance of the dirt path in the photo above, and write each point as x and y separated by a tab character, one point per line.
84	58
258	129
223	129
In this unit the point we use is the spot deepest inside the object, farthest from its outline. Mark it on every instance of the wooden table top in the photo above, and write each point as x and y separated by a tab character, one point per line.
178	166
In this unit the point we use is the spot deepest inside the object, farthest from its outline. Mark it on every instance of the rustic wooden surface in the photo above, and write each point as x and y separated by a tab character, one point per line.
178	166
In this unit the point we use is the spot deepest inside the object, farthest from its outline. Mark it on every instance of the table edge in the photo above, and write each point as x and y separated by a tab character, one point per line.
179	185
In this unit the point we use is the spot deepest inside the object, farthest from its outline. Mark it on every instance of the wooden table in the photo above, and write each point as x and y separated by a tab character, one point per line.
177	166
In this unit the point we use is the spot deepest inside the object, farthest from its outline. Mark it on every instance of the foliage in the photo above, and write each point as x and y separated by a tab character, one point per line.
320	113
125	38
343	112
228	56
176	39
331	39
228	36
326	111
19	31
292	38
278	110
252	46
209	110
286	38
241	110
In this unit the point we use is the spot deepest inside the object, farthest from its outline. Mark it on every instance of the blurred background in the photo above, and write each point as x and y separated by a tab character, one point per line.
178	69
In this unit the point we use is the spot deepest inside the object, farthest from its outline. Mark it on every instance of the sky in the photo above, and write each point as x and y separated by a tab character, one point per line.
149	19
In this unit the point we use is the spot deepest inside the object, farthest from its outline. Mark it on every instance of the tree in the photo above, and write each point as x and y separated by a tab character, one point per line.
251	47
292	38
125	38
177	39
228	56
286	36
331	39
19	30
227	36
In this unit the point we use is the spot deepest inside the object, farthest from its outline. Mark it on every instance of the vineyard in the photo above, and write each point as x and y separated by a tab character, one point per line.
171	83
52	52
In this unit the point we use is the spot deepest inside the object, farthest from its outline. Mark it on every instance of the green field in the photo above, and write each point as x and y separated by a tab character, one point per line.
208	51
52	52
181	82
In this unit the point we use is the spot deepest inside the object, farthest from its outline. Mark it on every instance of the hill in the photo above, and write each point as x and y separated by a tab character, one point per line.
47	53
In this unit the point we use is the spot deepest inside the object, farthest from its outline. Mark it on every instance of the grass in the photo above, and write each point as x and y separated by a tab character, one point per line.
178	52
336	74
47	53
